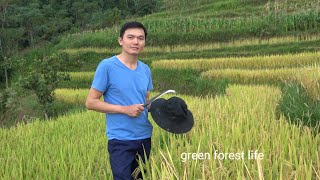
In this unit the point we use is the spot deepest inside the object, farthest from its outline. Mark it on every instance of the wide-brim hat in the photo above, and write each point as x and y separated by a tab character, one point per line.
172	115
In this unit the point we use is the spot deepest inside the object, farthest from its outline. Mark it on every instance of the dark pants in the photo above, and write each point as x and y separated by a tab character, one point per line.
124	155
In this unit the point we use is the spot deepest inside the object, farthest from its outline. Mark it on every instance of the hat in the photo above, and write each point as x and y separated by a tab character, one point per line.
172	115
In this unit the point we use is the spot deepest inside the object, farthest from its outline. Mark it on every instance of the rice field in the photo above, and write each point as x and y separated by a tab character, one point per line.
78	96
300	68
237	135
242	121
82	76
203	46
255	62
309	78
206	28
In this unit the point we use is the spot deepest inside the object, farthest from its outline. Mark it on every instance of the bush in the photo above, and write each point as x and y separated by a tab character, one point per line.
9	107
297	106
187	82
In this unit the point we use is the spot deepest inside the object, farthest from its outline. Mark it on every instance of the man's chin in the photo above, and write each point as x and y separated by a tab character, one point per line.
134	53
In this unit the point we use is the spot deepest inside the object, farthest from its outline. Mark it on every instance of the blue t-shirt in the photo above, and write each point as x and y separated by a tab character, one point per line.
123	86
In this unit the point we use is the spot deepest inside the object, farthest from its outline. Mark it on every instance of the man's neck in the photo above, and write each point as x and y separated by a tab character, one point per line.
129	60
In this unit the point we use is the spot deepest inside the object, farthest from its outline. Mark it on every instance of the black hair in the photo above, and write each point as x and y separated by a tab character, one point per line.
132	24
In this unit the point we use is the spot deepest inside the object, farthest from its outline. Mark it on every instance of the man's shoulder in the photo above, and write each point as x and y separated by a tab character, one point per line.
144	65
108	62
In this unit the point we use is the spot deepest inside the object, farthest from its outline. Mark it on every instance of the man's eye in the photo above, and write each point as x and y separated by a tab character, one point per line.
130	37
141	38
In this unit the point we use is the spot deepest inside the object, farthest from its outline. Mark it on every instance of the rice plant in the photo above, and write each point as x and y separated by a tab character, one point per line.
255	62
202	46
309	78
242	121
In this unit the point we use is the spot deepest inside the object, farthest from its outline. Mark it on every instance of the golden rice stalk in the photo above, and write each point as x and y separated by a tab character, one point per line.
255	62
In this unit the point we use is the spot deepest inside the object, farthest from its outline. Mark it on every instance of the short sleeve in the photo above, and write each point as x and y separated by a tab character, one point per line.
101	80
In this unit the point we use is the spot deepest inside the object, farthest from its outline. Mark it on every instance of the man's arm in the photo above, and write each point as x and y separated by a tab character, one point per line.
93	102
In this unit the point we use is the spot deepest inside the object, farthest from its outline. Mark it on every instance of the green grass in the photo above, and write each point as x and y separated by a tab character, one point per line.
207	8
231	8
297	106
198	9
204	30
187	81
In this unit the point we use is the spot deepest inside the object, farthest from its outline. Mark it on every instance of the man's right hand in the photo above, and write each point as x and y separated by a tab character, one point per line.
134	110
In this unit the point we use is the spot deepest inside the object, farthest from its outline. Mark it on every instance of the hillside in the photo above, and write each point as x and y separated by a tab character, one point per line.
249	71
231	8
222	28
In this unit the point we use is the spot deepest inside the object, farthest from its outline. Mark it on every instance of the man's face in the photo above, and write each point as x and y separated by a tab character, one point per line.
133	41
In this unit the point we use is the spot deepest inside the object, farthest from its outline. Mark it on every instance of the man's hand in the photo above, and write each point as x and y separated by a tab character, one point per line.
134	110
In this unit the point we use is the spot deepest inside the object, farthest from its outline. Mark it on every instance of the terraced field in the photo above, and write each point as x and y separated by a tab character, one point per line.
242	121
74	146
263	123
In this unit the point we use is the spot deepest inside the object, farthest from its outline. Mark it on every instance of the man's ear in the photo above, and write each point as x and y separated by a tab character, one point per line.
120	40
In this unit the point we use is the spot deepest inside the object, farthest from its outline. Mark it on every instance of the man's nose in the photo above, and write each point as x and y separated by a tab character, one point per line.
135	41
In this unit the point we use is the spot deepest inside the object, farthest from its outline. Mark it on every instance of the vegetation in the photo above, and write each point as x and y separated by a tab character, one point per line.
44	79
204	46
308	78
163	32
73	146
255	62
248	70
298	106
25	24
91	56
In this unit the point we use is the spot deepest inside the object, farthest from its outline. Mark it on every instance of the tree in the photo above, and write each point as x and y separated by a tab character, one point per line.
109	4
31	18
3	13
6	64
8	46
9	36
102	19
43	76
145	7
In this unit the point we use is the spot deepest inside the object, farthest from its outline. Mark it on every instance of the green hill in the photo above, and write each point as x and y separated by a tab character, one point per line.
194	23
231	8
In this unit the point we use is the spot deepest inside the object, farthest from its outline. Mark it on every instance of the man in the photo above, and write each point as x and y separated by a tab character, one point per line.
125	82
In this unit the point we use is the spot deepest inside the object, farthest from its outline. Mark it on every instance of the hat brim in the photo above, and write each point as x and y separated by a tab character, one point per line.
163	120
